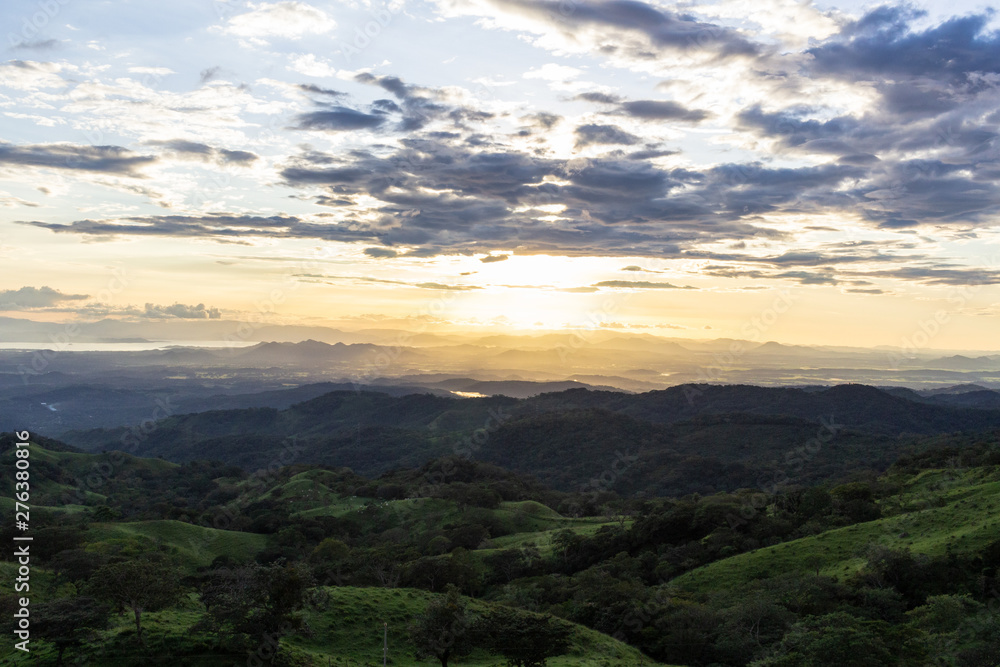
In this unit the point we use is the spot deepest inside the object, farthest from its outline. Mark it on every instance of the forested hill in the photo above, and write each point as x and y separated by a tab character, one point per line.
690	438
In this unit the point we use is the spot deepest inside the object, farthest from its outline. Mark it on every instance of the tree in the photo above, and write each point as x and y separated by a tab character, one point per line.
140	585
65	622
834	639
443	630
525	639
253	602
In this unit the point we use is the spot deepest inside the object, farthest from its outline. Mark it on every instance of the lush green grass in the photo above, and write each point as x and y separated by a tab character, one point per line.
196	546
348	630
7	505
544	539
938	512
169	640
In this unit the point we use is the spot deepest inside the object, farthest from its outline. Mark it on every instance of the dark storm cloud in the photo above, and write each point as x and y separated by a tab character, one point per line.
588	135
653	27
100	159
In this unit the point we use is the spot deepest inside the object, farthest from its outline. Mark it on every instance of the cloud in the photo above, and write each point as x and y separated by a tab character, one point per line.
221	226
7	200
286	19
182	311
420	106
319	90
338	119
553	72
623	28
543	120
881	47
35	297
440	286
639	284
381	281
37	45
599	97
941	275
209	74
588	135
205	152
381	253
810	277
103	159
489	259
661	110
415	107
438	196
649	110
27	75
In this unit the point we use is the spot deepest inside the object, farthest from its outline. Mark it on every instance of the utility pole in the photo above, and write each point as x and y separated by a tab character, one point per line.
385	644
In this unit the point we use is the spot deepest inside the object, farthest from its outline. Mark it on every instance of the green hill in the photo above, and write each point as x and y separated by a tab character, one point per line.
936	513
348	629
196	546
690	438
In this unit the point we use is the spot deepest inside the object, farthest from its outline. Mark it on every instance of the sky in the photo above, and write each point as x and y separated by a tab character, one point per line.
816	172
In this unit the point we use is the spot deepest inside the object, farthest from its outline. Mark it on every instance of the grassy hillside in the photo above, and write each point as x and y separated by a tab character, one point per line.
348	629
345	628
195	546
937	512
903	562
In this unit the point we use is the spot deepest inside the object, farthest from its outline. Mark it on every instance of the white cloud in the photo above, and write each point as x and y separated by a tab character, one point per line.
28	75
310	65
287	19
157	71
553	72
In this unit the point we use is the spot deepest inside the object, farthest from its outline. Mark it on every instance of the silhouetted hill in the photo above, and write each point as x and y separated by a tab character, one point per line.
683	439
855	406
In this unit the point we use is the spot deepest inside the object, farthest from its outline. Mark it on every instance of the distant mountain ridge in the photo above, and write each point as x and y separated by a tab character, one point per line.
689	438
